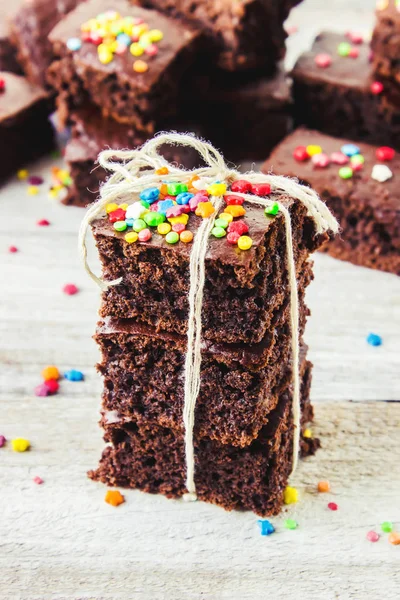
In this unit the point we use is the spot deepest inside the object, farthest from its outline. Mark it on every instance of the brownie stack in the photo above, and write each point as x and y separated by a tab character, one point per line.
243	433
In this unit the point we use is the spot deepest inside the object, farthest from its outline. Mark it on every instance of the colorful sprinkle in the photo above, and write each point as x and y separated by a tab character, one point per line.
52	385
332	506
114	497
43	223
381	173
74	44
242	186
2	84
266	527
323	60
339	158
164	228
153	219
244	242
373	339
394	538
206	209
172	237
272	211
218	232
226	217
307	434
387	526
385	153
70	289
261	189
20	445
131	237
144	235
313	149
291	524
221	223
350	149
217	189
186	237
343	49
32	190
372	536
38	480
174	189
74	375
22	174
233	237
324	486
354	53
321	160
300	154
239	227
346	173
35	180
2	441
376	88
235	210
117	215
355	37
140	66
290	495
13	249
41	391
150	195
120	226
162	171
50	372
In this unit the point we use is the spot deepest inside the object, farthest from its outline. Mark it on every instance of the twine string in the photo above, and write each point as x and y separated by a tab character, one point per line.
134	170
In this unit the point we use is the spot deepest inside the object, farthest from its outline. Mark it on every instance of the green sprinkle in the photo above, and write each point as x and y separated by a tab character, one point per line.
344	49
172	237
153	219
218	232
221	223
346	172
357	159
120	225
55	154
272	210
138	225
387	526
174	189
291	524
145	204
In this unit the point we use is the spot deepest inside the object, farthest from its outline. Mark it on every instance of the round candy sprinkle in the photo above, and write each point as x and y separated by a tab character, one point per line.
70	289
385	153
381	173
114	497
291	524
156	35
332	506
387	526
350	149
74	375
2	84
136	49
131	237
320	160
355	37
13	249
307	433
153	219
2	441
300	154
218	232
22	174
221	223
233	237
52	385
74	44
235	210
164	228
323	60
20	445
290	495
41	390
372	536
226	217
43	223
239	227
178	227
346	172
266	527
35	180
272	211
120	225
339	158
354	52
139	66
356	160
50	372
242	186
394	538
124	39
324	486
374	339
32	190
244	242
144	235
343	49
376	88
138	225
172	237
186	237
38	480
313	149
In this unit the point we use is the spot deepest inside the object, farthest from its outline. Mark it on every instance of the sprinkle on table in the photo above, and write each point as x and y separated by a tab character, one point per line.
373	339
50	372
13	249
35	180
291	524
74	375
307	433
114	497
373	536
290	495
22	174
324	486
42	390
20	445
394	538
266	527
332	506
38	480
70	289
2	441
2	84
43	223
387	526
32	190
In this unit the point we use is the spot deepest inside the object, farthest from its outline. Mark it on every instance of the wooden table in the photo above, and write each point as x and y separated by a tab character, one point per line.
61	541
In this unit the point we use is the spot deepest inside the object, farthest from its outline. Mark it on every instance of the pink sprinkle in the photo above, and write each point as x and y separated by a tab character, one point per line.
121	49
38	480
43	222
178	227
35	180
292	29
42	390
233	237
70	289
197	198
151	50
144	235
323	60
332	506
339	158
320	160
13	249
354	53
376	88
372	536
354	37
176	211
154	207
2	441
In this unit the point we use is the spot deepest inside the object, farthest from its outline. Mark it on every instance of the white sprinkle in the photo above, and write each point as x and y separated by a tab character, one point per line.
381	173
135	210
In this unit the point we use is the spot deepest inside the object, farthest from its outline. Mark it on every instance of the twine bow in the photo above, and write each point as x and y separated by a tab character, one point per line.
133	171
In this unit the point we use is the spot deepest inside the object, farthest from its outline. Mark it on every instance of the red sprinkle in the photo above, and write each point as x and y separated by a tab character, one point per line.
372	536
38	480
233	237
354	52
239	227
241	185
43	222
2	84
42	390
261	189
323	60
70	289
233	200
339	158
35	180
332	506
385	153
178	227
117	215
300	154
376	88
52	385
2	441
320	160
13	249
354	37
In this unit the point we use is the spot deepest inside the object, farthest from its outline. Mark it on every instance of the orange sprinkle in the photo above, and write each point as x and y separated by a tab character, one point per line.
186	236
163	189
114	497
192	179
50	373
394	538
162	171
204	209
235	210
324	486
140	66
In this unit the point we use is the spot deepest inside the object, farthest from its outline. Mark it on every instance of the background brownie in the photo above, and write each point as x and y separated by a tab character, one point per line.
128	96
338	99
8	59
367	210
386	44
243	288
25	132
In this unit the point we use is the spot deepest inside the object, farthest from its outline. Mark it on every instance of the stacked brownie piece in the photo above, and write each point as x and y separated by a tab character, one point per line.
386	45
243	432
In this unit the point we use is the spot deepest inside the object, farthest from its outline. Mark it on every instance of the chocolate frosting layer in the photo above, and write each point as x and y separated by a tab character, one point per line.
18	95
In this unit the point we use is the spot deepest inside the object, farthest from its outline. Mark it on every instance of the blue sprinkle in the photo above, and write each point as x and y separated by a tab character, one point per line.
350	149
184	197
164	205
74	44
150	195
374	339
129	222
73	375
124	39
266	527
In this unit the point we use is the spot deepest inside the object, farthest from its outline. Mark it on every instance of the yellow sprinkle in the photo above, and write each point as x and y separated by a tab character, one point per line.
307	433
313	149
20	445
164	228
114	497
131	237
139	30
140	66
181	219
156	35
226	217
22	174
105	55
162	171
53	194
245	242
236	210
124	206
145	40
111	207
290	495
32	190
136	49
217	189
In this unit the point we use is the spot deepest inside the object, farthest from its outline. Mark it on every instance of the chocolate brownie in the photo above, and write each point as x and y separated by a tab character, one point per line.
90	134
367	209
25	132
30	27
342	98
244	289
151	457
243	115
139	82
240	35
386	43
8	59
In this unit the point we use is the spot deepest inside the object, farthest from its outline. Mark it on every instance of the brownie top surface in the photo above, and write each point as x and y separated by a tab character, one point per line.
382	195
18	95
343	71
175	37
6	13
388	9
